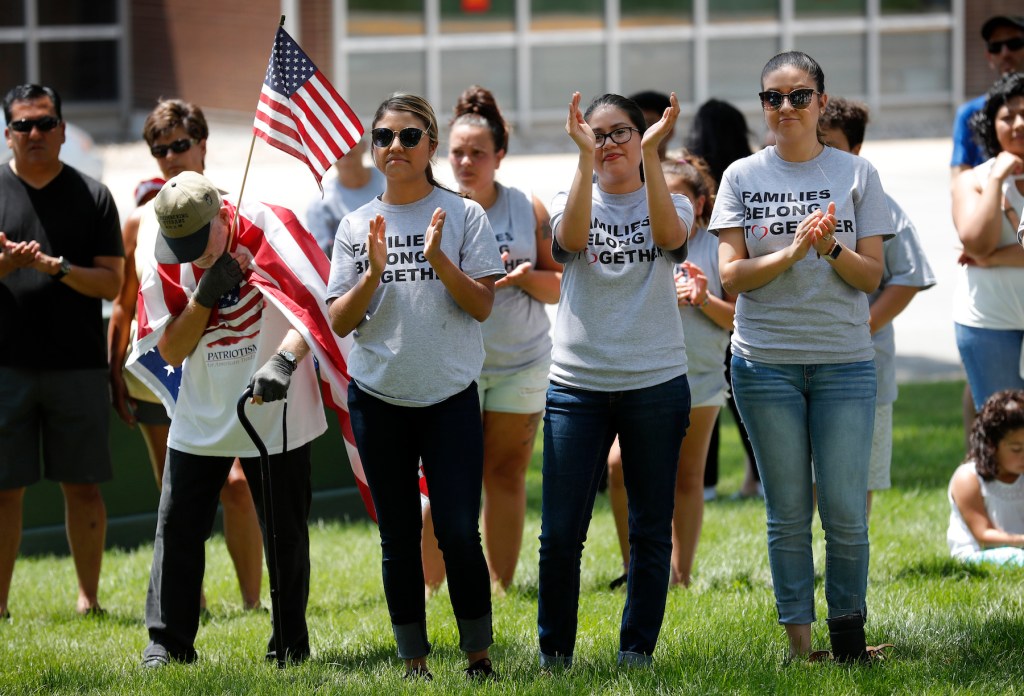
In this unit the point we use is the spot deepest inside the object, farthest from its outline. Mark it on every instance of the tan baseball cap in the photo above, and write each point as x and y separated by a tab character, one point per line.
185	207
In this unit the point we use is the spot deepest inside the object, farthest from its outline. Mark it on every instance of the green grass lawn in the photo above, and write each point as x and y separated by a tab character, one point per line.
956	630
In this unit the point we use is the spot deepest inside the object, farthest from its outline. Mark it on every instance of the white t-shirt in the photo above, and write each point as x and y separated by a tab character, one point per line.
1004	503
245	331
992	298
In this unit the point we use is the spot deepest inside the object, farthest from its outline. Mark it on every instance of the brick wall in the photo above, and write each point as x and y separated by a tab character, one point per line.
213	54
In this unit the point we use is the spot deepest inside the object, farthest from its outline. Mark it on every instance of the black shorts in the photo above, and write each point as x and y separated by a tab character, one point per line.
63	415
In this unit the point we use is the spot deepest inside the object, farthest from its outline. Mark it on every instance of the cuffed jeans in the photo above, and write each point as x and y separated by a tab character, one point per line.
188	504
448	437
578	427
797	414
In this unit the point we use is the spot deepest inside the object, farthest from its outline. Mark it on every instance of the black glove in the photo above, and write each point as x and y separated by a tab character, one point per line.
222	276
271	381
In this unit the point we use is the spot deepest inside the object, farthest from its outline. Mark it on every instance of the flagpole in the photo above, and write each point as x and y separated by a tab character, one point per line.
245	175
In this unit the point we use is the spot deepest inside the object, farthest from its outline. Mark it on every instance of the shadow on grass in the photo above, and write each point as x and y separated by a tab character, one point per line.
372	658
943	568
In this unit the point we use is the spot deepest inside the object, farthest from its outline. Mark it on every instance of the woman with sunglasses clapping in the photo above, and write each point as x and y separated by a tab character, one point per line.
800	229
618	367
412	277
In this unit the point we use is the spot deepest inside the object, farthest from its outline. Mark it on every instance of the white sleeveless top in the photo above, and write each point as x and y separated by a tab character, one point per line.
992	298
1004	503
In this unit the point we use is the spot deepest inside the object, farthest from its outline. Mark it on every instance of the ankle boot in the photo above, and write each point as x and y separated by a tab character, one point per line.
847	636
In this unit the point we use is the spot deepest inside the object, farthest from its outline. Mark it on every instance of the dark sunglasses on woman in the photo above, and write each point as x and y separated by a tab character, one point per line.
798	98
25	125
177	147
408	137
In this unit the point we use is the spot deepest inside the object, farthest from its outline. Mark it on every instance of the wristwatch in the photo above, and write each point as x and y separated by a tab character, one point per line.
65	268
835	251
289	357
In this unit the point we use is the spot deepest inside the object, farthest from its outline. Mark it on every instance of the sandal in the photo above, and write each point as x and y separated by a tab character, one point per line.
873	653
420	673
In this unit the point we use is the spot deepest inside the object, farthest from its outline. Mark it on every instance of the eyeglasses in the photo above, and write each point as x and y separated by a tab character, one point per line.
177	147
44	124
798	99
408	137
1014	44
619	136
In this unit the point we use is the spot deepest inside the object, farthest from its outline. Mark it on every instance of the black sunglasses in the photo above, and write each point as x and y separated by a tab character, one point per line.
408	137
44	124
177	147
1014	44
798	98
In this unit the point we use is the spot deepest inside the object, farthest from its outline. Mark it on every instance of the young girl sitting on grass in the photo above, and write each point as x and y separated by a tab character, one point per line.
986	493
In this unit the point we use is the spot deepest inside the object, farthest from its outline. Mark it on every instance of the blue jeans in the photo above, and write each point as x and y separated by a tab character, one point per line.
797	414
991	359
578	427
448	436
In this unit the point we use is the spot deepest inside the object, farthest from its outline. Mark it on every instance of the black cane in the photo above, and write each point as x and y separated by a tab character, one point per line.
266	490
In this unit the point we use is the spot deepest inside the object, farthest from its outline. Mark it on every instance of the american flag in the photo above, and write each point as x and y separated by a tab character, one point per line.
299	111
290	271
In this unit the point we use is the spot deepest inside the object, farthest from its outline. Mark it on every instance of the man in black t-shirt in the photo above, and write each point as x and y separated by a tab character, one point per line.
60	256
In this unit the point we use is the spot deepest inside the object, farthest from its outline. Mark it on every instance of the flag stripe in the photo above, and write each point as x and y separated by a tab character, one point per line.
300	112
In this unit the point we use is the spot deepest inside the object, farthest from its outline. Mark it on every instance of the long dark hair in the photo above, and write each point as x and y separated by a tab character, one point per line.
983	122
632	110
1002	413
719	135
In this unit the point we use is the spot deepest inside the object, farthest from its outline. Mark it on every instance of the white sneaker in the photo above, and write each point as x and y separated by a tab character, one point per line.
710	493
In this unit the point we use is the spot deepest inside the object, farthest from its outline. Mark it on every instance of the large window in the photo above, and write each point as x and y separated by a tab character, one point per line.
471	16
664	66
843	58
374	76
915	63
490	68
566	15
558	71
534	53
391	18
74	47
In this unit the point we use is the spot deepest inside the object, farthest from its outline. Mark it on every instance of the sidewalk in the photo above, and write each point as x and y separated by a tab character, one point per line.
914	172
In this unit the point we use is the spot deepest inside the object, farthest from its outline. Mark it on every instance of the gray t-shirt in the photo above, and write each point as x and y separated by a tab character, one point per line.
416	346
324	215
517	335
705	340
807	314
904	264
618	325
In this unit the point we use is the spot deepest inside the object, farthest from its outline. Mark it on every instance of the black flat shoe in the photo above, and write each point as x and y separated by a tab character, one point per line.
481	670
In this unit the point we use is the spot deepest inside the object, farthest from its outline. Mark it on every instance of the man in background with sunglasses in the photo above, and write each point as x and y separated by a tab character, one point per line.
60	256
1004	47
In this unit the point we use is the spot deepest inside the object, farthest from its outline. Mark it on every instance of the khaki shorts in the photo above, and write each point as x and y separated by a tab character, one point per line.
521	392
881	450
